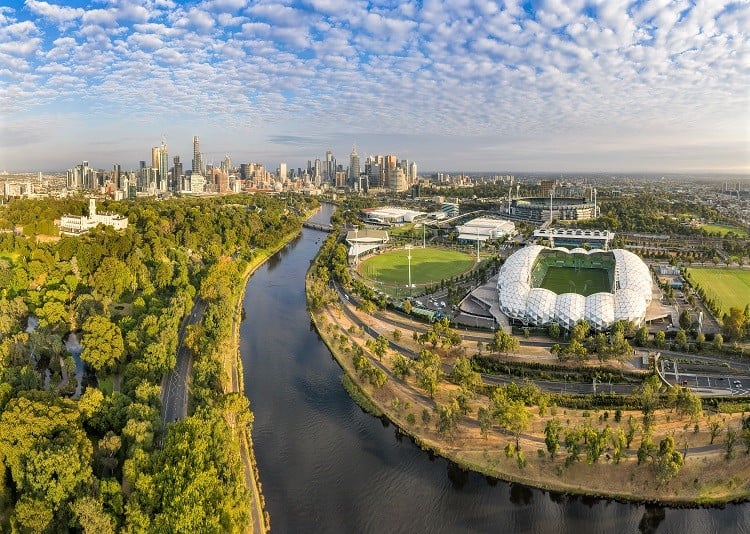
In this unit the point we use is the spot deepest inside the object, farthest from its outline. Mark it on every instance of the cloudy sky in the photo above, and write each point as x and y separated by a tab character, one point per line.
474	85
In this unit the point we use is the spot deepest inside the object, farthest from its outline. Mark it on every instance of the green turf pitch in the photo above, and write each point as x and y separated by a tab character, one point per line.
731	287
427	265
571	280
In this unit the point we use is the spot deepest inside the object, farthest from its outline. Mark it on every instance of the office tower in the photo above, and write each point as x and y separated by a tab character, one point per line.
226	165
282	172
413	172
177	173
197	156
354	165
160	163
116	179
317	171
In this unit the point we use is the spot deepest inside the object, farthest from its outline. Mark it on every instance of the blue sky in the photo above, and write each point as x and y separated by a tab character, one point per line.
560	85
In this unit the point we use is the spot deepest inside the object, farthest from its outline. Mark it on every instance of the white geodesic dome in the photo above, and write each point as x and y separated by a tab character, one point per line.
600	310
540	306
631	292
569	309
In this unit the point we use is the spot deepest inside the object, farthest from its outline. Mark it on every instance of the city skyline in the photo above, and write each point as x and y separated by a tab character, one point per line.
548	87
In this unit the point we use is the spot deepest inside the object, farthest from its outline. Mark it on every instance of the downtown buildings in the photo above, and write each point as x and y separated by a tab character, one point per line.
164	175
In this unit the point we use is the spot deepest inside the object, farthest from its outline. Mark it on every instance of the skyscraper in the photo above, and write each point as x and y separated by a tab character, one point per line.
197	156
177	173
160	162
353	165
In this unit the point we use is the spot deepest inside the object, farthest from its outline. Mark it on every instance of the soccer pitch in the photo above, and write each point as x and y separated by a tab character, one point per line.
428	265
730	287
571	280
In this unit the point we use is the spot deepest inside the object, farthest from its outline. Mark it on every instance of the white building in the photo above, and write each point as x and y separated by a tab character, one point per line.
483	229
365	240
389	215
81	224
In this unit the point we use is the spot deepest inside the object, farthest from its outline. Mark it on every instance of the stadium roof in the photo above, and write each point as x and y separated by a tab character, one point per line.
537	306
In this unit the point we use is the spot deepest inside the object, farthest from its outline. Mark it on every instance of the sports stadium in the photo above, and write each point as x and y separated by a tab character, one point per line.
540	285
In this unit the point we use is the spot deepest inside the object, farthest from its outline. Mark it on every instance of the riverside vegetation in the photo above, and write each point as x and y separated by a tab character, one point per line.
658	444
104	461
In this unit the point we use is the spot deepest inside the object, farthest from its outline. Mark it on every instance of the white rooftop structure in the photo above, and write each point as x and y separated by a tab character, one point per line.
391	215
80	224
631	292
484	228
575	236
365	240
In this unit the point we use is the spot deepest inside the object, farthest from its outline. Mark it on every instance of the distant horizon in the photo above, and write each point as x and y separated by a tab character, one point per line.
556	86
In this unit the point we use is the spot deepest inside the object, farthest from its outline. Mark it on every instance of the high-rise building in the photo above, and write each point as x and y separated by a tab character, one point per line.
116	177
282	172
353	165
197	156
177	173
160	162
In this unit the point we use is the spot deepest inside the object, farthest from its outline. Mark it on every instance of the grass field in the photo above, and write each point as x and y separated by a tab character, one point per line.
428	265
723	229
570	280
731	287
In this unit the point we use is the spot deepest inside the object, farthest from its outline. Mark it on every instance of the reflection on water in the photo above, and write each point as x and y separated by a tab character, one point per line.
326	466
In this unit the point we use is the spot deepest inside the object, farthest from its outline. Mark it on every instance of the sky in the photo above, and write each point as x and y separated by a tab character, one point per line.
461	85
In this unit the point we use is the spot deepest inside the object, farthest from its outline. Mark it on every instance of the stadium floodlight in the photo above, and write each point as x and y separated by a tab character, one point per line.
408	249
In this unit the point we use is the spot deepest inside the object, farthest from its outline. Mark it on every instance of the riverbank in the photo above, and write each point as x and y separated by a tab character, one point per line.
705	478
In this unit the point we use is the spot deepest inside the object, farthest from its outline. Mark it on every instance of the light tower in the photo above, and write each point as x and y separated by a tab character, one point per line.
408	250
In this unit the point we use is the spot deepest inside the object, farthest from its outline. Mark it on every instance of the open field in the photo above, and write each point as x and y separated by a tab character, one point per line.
723	229
428	265
730	286
571	280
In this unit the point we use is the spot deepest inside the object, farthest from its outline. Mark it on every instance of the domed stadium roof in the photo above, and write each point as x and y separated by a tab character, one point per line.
520	299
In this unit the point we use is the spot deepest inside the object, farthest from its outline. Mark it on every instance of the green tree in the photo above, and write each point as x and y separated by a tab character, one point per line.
619	444
484	415
103	346
552	436
401	366
514	417
428	371
660	339
641	336
734	324
464	375
504	343
112	279
718	342
684	320
681	339
554	331
668	460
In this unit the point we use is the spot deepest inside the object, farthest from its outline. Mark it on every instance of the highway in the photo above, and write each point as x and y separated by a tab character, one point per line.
176	384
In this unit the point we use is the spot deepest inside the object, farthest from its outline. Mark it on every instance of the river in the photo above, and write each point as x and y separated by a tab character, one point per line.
326	466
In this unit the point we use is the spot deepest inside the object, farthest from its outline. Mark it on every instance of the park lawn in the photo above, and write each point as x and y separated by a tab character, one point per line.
723	229
427	265
571	280
730	287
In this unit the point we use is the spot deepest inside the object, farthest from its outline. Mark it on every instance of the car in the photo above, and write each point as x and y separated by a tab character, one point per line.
721	378
737	384
684	382
442	304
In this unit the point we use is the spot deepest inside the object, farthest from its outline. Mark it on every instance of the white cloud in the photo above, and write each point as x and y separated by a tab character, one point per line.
54	12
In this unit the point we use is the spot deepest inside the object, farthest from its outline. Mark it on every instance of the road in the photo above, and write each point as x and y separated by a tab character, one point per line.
705	382
175	386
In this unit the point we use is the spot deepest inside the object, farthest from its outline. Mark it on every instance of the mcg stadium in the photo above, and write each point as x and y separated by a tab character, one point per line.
540	285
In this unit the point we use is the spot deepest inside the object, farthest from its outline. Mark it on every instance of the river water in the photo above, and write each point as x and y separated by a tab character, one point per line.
326	466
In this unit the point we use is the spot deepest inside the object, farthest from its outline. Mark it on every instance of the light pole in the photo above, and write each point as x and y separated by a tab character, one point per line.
408	249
